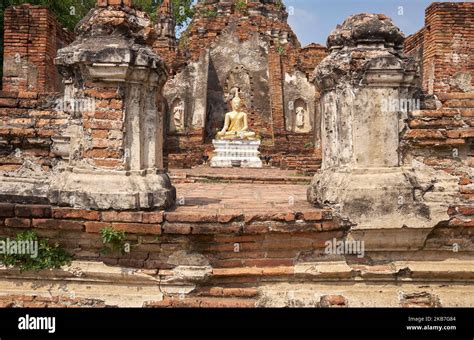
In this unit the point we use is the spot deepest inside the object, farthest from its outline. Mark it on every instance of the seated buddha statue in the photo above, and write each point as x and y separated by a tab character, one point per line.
236	125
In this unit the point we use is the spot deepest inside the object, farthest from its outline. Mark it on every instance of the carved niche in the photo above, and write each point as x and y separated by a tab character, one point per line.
239	78
301	121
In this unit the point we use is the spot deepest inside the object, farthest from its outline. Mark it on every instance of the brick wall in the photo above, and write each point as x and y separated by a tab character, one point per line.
413	45
266	239
28	121
413	48
309	57
104	128
245	251
166	44
215	16
185	150
32	36
444	138
441	134
276	90
446	45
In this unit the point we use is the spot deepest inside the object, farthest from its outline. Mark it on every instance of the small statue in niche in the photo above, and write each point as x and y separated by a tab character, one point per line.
300	116
178	113
302	122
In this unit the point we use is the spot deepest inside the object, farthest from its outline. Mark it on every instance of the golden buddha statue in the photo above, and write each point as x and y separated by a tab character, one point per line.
236	125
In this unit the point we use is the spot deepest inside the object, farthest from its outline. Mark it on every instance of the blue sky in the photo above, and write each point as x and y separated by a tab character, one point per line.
313	20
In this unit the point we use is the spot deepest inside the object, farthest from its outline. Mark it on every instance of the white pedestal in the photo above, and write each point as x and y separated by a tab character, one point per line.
228	152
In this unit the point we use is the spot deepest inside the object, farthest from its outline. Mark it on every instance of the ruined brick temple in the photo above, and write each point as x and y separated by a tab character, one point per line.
369	142
252	48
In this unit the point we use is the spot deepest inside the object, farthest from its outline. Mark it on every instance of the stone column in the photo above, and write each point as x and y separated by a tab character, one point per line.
112	80
366	83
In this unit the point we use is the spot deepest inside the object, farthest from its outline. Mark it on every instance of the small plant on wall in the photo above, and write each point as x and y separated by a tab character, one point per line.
113	240
279	48
279	4
241	5
208	12
27	252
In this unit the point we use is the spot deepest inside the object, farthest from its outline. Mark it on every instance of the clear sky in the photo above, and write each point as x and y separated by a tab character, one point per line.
313	20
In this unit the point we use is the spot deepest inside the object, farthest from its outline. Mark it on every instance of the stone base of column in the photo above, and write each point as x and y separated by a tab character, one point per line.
113	190
379	201
24	190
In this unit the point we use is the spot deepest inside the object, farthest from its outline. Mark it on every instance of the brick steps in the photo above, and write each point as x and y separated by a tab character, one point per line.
307	165
228	238
459	103
451	125
266	175
183	220
455	95
457	100
186	178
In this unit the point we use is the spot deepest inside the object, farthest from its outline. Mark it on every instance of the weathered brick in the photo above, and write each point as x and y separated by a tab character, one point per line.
19	132
103	124
425	134
234	292
313	215
173	228
227	218
269	216
122	216
79	214
96	227
33	210
100	133
108	114
190	218
115	104
108	163
103	153
138	228
268	262
332	300
27	95
227	303
153	217
466	210
457	222
58	224
7	210
18	222
102	94
461	133
216	228
8	102
256	229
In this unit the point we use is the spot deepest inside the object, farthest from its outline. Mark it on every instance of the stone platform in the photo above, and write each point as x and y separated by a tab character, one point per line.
260	201
236	153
